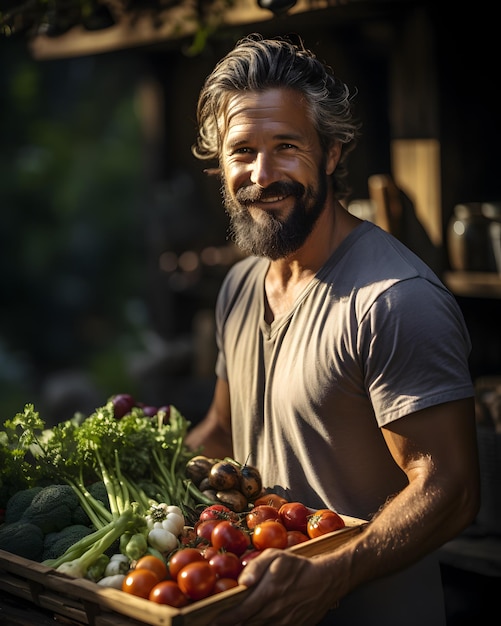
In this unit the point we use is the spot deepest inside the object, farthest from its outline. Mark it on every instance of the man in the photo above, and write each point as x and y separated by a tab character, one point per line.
342	371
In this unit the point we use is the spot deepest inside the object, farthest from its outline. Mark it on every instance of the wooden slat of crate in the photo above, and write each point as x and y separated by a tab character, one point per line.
80	600
84	602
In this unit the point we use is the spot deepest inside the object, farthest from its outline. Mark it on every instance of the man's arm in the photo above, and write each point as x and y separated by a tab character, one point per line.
437	450
213	434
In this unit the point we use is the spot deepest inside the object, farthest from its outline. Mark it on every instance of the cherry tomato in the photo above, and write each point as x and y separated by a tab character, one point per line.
248	555
182	557
222	584
271	499
204	529
197	580
155	564
295	536
294	516
168	592
226	565
219	512
259	514
229	537
139	582
209	552
269	534
324	521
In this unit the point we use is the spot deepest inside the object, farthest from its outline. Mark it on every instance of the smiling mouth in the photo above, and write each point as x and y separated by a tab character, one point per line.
270	199
276	192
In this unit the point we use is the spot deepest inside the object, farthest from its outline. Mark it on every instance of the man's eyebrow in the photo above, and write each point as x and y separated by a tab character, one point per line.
237	143
278	137
288	137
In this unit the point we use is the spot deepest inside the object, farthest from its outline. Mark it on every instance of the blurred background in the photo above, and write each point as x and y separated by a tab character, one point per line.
72	251
110	258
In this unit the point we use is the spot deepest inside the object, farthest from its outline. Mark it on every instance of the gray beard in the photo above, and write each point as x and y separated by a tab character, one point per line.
275	239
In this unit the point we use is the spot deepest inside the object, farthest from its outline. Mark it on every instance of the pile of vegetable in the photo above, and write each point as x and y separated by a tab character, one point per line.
224	481
118	498
76	493
222	543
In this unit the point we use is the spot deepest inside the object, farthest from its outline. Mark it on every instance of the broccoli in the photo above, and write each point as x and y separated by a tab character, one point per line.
51	509
56	544
23	539
18	503
80	517
99	492
79	557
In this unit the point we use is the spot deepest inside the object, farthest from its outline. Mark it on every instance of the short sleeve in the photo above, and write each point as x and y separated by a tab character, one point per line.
415	348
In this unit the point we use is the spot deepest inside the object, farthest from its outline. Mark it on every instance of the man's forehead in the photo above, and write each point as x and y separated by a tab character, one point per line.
274	106
273	98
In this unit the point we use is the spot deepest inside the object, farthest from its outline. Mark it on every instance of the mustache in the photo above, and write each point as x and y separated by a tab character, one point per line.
254	193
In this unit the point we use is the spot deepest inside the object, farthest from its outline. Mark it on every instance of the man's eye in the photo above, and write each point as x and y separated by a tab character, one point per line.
287	146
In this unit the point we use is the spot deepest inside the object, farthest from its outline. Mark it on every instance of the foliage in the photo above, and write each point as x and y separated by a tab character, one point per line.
55	18
105	447
71	243
123	453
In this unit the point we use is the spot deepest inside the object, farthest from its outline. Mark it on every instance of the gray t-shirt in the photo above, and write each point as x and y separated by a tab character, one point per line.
373	337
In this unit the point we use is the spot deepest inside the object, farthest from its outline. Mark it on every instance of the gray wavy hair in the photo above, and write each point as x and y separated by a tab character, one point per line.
255	64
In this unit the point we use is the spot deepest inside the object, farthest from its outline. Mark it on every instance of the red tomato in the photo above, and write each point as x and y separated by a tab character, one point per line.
295	536
209	552
271	499
227	536
324	521
196	580
168	592
204	529
155	564
269	534
219	512
249	555
294	516
222	584
260	514
139	582
226	565
182	557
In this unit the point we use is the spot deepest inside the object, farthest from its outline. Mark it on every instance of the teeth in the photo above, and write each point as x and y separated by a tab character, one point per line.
275	199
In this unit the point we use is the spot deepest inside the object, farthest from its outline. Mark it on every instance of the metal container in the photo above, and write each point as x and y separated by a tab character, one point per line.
469	238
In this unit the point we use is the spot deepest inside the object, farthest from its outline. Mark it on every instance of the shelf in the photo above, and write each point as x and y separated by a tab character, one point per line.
474	284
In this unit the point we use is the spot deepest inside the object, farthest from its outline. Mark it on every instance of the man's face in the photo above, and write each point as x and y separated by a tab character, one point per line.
274	172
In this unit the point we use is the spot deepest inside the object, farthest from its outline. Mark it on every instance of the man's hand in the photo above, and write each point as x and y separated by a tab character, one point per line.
284	589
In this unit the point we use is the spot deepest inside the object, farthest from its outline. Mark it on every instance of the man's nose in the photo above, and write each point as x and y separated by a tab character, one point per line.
264	171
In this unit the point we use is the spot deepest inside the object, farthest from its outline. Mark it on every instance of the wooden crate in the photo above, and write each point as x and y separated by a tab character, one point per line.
79	601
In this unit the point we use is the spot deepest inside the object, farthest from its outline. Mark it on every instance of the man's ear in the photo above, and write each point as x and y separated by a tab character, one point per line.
213	171
333	156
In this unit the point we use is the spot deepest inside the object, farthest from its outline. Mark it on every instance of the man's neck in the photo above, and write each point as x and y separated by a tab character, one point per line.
286	278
